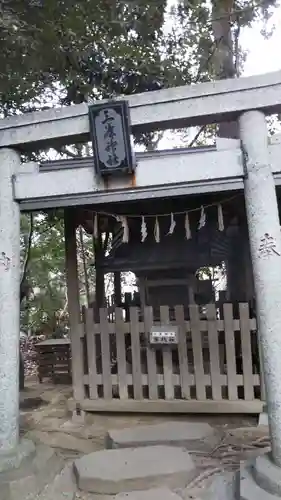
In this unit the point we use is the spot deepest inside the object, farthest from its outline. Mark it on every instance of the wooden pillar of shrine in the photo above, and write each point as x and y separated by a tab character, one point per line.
74	305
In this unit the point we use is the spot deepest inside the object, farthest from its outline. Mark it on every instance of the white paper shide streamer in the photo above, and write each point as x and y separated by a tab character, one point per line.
220	218
143	229
124	223
187	227
157	230
202	220
172	225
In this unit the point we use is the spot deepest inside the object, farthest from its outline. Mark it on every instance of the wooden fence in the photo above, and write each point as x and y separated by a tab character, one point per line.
215	361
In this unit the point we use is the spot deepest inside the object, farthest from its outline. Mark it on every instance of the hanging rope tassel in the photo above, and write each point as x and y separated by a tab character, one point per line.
202	220
124	223
172	224
143	229
157	230
187	227
96	229
220	218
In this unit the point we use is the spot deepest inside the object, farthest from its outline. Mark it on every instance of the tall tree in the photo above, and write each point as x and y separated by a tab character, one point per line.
214	28
55	53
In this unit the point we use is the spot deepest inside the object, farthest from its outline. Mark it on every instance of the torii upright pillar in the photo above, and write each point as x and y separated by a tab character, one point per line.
9	302
12	451
265	242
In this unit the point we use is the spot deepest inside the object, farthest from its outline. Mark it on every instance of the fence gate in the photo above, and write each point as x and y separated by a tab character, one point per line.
213	368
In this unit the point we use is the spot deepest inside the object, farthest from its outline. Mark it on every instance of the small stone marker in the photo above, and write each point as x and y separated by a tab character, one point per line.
187	434
110	472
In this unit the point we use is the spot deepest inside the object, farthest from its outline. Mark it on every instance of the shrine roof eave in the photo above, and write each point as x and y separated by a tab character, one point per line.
130	196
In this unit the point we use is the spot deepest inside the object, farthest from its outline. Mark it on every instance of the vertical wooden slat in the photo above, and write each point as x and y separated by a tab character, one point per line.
182	353
246	347
74	305
230	352
91	350
213	339
117	289
100	299
121	354
142	295
167	357
105	352
136	361
197	352
150	356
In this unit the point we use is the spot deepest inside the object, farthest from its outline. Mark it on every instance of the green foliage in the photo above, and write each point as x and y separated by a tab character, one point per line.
63	52
45	308
214	28
46	275
96	47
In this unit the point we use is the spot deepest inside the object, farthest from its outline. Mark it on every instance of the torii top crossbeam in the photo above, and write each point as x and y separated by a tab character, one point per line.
178	107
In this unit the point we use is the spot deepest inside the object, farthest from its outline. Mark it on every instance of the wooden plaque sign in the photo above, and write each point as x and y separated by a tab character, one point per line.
110	131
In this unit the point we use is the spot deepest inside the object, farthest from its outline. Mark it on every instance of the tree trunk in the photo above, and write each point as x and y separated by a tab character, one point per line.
224	54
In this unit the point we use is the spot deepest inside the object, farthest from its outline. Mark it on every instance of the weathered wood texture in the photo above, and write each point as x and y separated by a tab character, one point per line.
213	361
54	360
76	325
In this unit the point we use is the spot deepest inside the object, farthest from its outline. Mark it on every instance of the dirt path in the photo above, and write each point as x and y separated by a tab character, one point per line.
44	418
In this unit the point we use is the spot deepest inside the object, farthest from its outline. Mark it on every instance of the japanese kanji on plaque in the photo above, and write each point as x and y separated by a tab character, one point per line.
110	133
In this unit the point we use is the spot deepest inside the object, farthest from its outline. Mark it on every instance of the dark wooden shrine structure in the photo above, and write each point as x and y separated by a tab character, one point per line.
214	367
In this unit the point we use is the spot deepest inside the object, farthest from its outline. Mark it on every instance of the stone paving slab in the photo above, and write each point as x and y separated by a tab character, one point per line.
115	471
184	434
62	440
153	494
221	488
62	488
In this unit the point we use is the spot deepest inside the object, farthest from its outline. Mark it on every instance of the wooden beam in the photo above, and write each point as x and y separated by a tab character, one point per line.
177	107
74	305
167	282
170	407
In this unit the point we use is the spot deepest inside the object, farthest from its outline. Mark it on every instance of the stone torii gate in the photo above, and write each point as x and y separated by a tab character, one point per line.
247	100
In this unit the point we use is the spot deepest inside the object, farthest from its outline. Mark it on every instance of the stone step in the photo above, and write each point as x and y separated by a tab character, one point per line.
191	435
111	472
